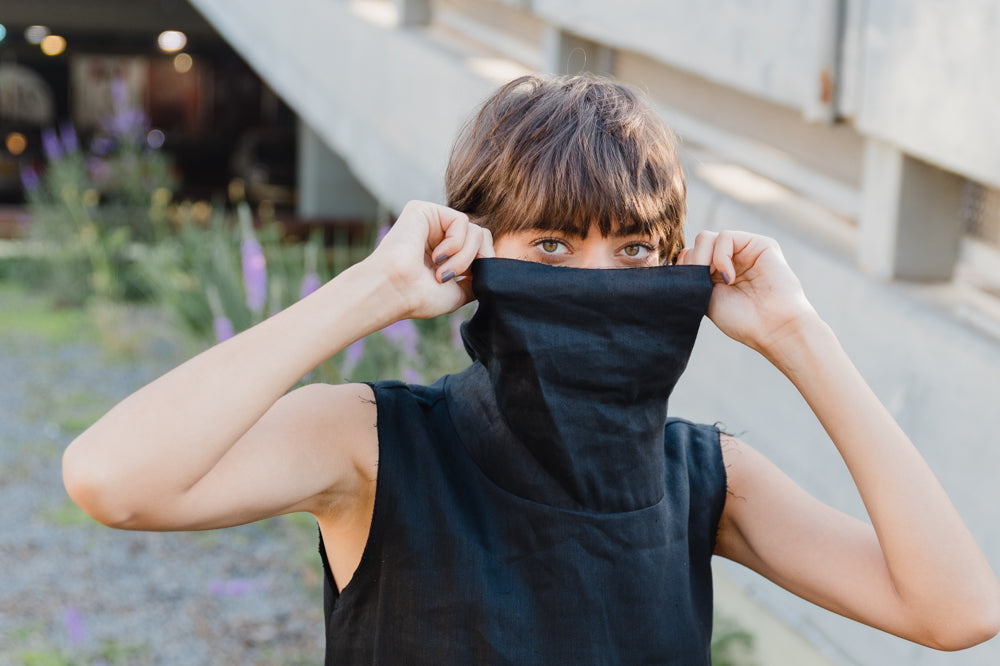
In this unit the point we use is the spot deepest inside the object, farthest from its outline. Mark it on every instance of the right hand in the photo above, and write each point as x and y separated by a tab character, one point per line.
427	242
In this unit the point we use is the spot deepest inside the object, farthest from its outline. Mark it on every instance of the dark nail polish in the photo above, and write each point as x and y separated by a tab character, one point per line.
440	259
447	275
726	279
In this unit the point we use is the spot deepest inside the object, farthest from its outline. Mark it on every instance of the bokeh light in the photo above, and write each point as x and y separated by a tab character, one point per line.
53	45
3	32
155	138
16	143
171	40
237	190
36	33
183	63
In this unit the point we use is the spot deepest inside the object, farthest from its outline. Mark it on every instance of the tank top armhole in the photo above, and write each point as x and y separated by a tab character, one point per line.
722	490
367	569
708	473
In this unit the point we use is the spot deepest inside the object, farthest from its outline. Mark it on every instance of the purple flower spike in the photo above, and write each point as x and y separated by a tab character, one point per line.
68	135
223	328
50	144
310	283
119	94
101	145
411	376
98	169
352	356
29	178
73	622
404	335
254	274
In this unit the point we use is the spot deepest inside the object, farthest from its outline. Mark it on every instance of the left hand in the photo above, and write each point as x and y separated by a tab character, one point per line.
757	299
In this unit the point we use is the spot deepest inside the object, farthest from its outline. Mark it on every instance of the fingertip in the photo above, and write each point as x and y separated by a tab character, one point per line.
486	250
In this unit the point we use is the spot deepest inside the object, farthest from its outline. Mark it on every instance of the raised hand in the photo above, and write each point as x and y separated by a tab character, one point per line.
757	299
426	255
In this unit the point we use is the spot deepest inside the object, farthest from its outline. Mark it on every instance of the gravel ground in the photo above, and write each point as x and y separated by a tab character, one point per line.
75	592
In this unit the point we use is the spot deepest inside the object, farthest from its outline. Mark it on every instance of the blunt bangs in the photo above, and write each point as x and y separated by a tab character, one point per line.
567	153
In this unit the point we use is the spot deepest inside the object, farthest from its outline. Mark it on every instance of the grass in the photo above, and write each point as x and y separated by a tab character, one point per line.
67	514
110	652
27	314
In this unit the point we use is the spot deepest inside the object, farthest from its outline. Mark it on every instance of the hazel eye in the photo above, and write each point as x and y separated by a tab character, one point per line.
636	250
551	246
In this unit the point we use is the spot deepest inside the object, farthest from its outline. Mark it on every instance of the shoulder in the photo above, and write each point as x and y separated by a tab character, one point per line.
694	455
701	443
677	427
400	408
350	406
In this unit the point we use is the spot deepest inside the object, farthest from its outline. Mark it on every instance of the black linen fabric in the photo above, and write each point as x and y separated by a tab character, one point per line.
540	508
581	363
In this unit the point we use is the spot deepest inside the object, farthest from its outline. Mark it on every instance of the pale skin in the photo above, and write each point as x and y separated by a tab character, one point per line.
220	441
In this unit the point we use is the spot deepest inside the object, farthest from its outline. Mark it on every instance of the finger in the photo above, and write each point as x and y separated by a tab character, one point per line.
422	223
459	263
724	248
682	258
486	247
455	226
701	253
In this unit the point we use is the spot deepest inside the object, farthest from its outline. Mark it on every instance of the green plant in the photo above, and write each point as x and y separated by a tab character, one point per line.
222	277
732	645
67	514
89	208
23	315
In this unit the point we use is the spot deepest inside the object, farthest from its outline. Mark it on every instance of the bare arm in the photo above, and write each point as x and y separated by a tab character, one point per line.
214	443
916	571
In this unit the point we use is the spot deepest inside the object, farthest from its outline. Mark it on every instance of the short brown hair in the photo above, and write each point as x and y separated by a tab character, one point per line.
563	153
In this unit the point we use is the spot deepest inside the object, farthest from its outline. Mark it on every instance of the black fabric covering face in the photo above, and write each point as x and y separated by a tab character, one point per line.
573	369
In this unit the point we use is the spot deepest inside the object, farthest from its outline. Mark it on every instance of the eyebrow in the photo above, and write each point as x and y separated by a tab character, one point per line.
618	234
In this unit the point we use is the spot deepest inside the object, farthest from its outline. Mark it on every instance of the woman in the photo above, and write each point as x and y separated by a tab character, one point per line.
539	507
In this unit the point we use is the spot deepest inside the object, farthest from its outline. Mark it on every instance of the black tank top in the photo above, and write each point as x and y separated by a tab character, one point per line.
459	571
534	509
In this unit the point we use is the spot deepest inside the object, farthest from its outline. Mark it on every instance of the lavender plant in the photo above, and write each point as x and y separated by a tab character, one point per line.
90	207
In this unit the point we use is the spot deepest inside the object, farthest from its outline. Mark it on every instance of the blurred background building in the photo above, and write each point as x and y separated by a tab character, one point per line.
203	105
863	134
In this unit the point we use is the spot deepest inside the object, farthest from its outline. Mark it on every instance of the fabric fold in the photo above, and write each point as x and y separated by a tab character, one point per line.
572	372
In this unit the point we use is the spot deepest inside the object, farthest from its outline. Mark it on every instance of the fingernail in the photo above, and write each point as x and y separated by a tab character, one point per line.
447	275
726	278
440	259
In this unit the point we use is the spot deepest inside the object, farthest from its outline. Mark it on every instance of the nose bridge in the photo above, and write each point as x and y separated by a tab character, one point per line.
596	254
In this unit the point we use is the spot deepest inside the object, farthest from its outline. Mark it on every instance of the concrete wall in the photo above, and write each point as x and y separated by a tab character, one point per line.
938	377
770	48
390	100
931	81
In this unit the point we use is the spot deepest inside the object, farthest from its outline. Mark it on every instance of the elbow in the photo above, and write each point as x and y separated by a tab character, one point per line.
978	623
90	484
967	637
